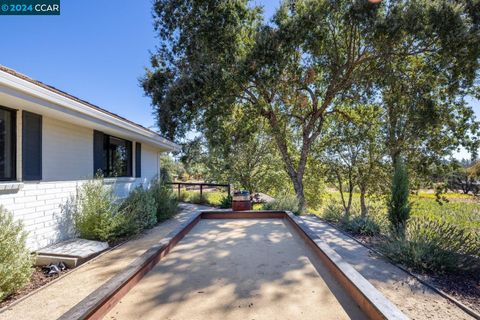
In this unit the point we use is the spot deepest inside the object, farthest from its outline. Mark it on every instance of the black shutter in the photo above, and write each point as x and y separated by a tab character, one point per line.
128	144
99	158
31	146
138	160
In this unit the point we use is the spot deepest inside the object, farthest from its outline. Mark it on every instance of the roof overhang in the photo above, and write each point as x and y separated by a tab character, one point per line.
32	97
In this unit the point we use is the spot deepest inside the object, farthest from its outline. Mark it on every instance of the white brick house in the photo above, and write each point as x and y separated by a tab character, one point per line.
51	142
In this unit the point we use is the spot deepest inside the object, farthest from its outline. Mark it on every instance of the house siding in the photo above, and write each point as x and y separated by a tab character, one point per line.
45	207
68	145
150	161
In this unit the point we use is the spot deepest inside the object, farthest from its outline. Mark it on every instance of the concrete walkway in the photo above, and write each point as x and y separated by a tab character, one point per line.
413	298
57	298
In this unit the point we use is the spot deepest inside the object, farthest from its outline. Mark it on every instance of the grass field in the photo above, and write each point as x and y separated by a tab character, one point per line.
460	209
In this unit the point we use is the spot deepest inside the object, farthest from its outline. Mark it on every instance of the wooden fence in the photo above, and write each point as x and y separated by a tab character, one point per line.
201	184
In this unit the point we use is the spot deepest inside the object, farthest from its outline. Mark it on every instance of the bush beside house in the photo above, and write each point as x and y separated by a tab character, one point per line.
15	258
100	216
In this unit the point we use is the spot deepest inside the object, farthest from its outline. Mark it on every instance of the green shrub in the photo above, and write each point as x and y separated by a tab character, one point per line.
165	200
196	198
15	259
96	215
226	202
333	212
398	205
183	196
359	225
434	246
284	202
139	212
213	198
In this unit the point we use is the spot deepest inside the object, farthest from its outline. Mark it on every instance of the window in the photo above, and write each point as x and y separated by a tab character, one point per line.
112	155
7	144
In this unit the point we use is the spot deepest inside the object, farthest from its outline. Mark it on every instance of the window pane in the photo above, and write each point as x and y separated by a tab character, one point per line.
119	154
7	157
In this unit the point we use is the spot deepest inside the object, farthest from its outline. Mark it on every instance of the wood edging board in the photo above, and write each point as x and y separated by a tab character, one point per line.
97	304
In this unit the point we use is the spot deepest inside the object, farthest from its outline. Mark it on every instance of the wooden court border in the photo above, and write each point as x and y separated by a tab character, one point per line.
97	304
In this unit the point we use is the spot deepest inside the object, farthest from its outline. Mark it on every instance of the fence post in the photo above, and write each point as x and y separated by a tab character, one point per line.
201	191
179	191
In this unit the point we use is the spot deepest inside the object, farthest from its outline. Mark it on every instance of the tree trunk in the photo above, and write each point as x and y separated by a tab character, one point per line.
363	205
299	192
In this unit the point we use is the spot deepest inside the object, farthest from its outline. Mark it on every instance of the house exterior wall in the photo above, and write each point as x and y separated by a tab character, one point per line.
150	161
68	145
45	206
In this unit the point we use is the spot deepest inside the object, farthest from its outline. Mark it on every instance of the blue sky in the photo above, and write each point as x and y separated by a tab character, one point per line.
96	50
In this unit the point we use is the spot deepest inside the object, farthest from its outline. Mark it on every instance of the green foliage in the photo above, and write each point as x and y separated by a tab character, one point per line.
438	238
170	169
196	198
284	202
212	198
100	216
15	258
398	205
364	226
432	246
138	212
309	62
333	212
165	200
226	202
96	215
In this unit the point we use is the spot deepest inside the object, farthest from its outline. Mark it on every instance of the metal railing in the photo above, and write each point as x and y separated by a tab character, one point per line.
201	184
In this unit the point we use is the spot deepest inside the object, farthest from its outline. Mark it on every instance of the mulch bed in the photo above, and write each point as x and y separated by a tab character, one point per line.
464	288
38	279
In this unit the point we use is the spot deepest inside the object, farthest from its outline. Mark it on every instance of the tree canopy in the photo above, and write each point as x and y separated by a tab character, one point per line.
310	62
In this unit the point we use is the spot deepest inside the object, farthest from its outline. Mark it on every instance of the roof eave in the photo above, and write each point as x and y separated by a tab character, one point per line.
37	91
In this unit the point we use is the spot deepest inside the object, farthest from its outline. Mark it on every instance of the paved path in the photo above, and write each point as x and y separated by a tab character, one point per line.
416	300
57	298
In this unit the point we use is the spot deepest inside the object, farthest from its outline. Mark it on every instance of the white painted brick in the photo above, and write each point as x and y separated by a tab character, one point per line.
16	206
30	186
56	201
69	184
47	196
42	219
21	212
69	189
34	204
34	192
53	190
47	185
6	202
12	195
45	232
45	207
25	199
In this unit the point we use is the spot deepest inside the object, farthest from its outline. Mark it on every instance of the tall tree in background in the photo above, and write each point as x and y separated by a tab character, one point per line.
354	154
296	70
240	152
